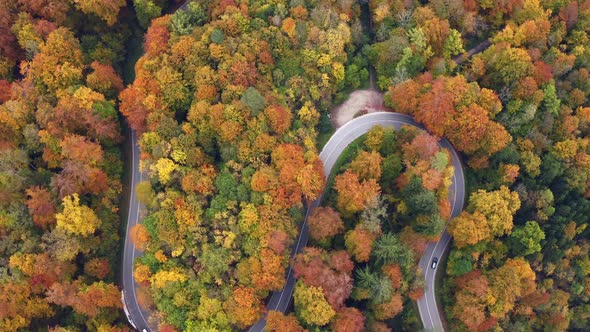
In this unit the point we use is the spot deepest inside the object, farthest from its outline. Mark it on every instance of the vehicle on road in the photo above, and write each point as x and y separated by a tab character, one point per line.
434	262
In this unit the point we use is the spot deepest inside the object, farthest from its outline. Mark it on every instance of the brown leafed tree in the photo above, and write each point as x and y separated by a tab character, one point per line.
348	319
359	242
276	321
324	223
41	206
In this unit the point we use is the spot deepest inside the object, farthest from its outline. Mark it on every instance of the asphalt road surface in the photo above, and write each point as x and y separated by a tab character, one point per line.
137	317
338	142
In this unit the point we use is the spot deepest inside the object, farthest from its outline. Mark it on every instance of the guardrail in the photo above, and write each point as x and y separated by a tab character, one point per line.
126	310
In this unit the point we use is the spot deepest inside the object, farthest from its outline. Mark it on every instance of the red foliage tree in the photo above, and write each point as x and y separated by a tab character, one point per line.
470	299
97	267
389	309
133	109
157	36
348	320
422	147
41	206
104	79
79	178
70	117
5	90
267	273
53	10
96	296
452	107
324	223
244	73
279	118
313	266
278	241
79	148
394	273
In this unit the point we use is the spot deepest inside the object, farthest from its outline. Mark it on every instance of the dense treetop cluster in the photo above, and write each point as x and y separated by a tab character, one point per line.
60	165
230	105
226	102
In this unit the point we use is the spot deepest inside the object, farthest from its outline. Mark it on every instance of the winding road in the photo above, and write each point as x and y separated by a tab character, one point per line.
279	300
427	306
338	142
345	135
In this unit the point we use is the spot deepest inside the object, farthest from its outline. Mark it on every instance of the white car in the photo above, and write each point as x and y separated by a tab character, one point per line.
434	262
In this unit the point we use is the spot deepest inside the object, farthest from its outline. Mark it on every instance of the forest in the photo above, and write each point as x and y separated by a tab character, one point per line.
232	102
386	200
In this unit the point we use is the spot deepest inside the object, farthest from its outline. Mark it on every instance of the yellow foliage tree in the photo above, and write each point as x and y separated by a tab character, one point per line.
311	179
107	10
75	218
142	273
311	305
374	138
508	283
86	97
248	218
164	167
162	277
24	262
469	228
498	207
309	115
367	165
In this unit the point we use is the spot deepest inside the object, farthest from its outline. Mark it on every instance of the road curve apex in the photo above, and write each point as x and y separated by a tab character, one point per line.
341	138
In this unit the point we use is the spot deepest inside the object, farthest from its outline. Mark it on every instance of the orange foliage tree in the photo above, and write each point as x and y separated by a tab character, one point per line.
348	320
139	236
276	321
41	206
244	307
354	194
359	242
452	107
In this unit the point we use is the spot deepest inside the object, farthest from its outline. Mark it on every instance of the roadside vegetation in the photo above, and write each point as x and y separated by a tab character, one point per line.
230	102
60	164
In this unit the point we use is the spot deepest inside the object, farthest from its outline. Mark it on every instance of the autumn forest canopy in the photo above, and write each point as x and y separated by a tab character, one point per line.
232	101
